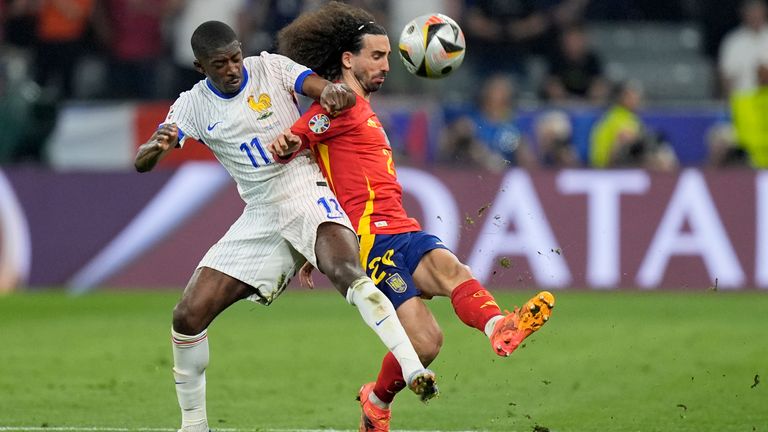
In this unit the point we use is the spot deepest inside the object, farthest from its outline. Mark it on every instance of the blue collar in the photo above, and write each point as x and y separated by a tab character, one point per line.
228	95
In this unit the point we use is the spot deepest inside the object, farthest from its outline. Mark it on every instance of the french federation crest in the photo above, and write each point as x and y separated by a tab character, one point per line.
319	123
261	106
397	283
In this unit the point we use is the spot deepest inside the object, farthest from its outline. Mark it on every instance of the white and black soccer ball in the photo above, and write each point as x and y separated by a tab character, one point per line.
432	46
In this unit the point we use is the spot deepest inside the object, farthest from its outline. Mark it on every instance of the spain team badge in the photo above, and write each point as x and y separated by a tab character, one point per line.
397	283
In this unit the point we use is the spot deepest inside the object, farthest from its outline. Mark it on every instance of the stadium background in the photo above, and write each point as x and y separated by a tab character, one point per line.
75	218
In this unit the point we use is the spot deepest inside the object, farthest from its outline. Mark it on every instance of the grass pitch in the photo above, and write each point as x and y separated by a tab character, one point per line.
605	362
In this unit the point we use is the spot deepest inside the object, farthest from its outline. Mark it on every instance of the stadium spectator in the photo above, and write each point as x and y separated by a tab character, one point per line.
132	29
187	15
664	10
722	149
744	51
61	36
263	18
575	71
620	139
291	215
744	70
503	32
553	141
488	137
18	17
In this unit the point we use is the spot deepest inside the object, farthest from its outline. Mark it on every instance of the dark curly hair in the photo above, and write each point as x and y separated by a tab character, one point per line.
318	39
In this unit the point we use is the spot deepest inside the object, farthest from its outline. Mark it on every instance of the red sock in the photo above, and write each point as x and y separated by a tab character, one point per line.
390	380
473	304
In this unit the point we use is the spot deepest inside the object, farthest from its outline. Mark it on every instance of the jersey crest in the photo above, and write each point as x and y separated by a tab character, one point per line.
262	106
397	283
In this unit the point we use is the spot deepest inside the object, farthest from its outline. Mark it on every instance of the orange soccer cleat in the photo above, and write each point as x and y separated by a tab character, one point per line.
373	418
509	332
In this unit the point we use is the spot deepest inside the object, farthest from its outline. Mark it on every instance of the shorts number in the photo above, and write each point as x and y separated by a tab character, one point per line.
255	143
331	212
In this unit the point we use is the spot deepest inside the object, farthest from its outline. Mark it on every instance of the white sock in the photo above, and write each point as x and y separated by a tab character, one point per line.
377	311
190	358
490	324
378	402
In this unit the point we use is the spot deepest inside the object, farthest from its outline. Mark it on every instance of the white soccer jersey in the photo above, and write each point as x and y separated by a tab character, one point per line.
238	128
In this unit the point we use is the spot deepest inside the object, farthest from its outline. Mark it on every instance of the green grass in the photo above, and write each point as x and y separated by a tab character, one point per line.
605	362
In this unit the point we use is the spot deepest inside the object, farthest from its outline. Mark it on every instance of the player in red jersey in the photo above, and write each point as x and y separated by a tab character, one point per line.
343	43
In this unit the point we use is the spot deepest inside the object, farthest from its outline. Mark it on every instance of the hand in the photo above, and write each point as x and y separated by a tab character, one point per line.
165	136
161	142
305	275
337	97
285	144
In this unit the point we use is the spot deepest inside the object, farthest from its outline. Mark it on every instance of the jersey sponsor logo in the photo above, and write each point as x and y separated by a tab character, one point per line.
213	125
319	123
397	283
261	106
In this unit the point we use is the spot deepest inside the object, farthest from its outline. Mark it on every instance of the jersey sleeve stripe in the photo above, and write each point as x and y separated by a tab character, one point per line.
300	81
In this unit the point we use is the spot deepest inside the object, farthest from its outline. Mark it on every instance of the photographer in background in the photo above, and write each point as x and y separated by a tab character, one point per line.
488	136
553	140
620	139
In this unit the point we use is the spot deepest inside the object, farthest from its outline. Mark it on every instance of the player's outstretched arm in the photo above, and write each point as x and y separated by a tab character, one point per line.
333	97
159	144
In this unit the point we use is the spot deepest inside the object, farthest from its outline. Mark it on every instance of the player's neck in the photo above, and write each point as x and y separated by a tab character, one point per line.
356	86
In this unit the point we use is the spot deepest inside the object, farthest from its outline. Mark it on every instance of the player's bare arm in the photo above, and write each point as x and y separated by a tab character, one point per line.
285	144
160	143
333	97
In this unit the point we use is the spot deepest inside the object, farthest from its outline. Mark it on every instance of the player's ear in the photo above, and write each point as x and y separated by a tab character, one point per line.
198	66
346	59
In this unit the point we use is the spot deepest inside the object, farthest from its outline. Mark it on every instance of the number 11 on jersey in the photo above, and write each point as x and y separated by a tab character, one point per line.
255	143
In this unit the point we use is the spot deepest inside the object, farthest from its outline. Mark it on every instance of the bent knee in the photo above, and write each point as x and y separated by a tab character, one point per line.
186	321
343	272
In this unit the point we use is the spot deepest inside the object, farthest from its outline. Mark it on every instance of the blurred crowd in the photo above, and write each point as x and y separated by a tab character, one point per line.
55	51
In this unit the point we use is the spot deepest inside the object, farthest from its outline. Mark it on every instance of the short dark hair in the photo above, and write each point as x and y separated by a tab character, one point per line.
318	39
210	36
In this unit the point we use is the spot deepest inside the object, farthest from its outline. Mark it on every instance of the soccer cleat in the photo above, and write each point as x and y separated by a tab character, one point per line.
510	331
373	418
422	382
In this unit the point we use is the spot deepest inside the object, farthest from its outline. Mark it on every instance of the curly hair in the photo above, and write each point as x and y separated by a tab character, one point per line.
318	39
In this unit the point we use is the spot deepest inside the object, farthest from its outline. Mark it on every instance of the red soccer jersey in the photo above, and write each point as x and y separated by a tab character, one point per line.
353	152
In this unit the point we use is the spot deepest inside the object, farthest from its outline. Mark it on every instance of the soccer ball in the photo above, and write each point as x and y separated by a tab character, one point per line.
432	46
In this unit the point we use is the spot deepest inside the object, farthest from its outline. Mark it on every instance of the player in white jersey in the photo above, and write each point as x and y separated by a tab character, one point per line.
290	216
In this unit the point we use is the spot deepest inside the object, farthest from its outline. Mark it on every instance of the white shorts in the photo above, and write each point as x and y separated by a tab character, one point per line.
272	239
